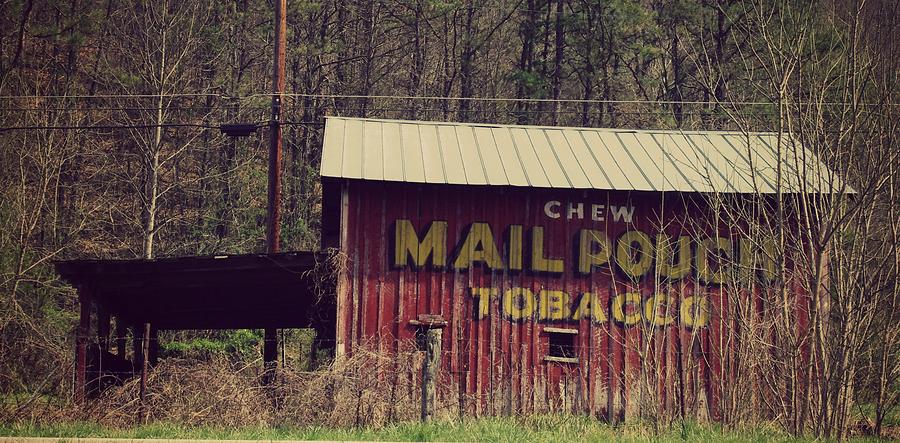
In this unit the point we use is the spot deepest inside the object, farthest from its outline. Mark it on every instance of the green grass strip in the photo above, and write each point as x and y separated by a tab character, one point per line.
542	428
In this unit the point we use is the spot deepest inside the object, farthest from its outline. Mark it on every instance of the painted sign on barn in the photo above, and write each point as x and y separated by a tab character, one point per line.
501	272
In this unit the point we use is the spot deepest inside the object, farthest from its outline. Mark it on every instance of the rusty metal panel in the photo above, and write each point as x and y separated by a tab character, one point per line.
579	158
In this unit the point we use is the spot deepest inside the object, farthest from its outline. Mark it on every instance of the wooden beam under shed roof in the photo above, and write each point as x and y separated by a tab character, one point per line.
213	292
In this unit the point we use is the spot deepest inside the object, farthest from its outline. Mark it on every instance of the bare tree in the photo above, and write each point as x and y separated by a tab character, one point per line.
154	58
829	323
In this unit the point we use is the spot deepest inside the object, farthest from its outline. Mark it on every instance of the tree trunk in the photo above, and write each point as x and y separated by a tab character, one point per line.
418	62
526	59
721	36
677	78
152	189
153	154
466	64
558	60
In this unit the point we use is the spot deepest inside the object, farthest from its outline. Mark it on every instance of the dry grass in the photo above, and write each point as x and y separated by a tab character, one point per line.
370	389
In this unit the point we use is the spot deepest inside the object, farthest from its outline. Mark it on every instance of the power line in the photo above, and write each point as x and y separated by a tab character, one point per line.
223	107
163	125
569	100
101	127
173	95
517	100
376	110
430	98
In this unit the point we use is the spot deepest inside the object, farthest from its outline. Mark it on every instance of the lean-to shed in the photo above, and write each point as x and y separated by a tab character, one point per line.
570	268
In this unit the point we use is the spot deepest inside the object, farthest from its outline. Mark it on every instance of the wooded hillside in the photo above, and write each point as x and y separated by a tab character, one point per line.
110	147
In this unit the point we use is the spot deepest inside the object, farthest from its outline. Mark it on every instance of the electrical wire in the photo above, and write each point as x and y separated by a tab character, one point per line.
174	95
516	100
110	127
427	98
163	125
223	106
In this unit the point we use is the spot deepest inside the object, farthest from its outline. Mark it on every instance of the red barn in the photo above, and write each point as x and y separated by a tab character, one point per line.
570	268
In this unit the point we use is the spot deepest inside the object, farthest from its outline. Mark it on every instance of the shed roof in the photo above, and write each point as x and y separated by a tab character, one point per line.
214	292
563	157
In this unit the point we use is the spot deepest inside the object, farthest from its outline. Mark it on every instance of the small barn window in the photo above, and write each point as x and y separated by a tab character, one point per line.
562	345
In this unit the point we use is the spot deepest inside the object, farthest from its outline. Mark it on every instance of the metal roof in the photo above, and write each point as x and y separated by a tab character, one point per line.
562	157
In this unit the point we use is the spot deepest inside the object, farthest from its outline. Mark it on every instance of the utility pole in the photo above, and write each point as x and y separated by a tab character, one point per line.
273	221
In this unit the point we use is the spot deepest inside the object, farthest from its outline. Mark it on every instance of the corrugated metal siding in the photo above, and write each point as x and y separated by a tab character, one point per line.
579	158
497	366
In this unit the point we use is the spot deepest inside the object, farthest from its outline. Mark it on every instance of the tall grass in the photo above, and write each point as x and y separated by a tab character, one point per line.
368	397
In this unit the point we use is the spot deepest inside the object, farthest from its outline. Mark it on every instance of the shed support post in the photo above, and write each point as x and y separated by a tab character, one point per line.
145	350
81	338
153	349
430	368
270	355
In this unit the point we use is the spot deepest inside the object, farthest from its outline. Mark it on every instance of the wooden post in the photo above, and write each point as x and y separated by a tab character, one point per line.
153	350
81	338
430	368
145	351
270	355
273	221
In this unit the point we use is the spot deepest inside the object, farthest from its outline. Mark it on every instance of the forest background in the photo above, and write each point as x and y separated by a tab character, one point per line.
110	147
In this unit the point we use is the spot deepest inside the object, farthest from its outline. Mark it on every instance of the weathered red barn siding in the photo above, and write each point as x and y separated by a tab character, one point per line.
500	361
